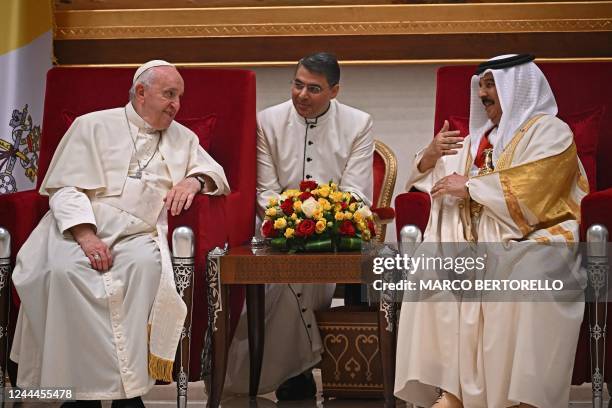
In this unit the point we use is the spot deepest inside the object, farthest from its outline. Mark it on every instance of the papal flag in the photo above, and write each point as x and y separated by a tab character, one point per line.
25	57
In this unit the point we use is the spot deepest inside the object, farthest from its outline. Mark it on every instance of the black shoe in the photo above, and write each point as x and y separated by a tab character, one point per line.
135	402
82	404
297	388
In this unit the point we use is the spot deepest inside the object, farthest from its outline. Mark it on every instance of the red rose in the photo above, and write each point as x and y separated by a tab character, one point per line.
267	229
308	185
305	228
287	206
347	228
343	205
372	227
305	196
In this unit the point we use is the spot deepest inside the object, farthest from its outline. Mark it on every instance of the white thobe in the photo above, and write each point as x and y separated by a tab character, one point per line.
337	146
499	354
85	329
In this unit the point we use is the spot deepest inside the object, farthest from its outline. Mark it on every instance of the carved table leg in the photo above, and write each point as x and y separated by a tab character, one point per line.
386	335
218	329
183	264
5	293
255	297
597	270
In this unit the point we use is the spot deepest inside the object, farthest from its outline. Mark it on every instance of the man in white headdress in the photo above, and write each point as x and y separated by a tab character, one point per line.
488	188
99	309
311	137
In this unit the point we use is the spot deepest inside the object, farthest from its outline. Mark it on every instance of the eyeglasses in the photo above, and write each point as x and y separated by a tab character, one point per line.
311	89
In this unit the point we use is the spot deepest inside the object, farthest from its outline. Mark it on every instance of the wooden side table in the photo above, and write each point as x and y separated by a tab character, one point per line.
257	267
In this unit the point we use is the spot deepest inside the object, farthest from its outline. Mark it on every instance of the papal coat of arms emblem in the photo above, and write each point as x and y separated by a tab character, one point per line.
24	146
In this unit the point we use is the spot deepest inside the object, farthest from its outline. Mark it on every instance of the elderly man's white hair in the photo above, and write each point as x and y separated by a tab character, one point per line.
145	74
523	92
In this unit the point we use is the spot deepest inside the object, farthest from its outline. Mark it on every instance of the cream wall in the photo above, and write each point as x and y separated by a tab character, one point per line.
400	98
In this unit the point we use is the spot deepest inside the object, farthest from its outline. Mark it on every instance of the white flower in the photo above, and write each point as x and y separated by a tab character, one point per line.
364	211
310	207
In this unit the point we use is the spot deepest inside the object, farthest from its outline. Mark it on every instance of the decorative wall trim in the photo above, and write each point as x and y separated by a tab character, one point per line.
243	64
369	20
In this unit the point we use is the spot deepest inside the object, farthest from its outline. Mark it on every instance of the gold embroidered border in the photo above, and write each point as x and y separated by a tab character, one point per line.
514	207
559	230
505	159
583	183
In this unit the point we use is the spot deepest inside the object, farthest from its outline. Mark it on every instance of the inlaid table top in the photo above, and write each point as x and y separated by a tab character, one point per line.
247	265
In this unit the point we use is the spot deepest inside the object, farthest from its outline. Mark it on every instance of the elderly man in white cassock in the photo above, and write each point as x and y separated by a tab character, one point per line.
100	312
515	179
312	137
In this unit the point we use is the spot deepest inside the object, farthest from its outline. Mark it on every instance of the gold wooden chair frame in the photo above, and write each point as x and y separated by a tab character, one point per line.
386	193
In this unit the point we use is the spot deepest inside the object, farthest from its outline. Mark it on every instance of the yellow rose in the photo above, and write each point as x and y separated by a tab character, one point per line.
292	193
348	215
272	202
336	197
324	204
346	196
358	216
271	212
334	186
339	216
353	207
297	205
320	226
362	225
324	191
280	223
289	233
317	214
294	216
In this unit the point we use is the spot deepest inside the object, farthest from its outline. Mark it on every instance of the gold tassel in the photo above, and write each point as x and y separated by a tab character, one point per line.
160	368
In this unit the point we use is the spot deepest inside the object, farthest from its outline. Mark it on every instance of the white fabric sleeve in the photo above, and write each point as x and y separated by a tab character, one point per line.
357	176
200	162
70	207
422	181
267	175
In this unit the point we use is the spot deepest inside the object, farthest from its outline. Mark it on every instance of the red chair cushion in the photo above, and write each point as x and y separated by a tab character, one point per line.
586	127
379	177
203	127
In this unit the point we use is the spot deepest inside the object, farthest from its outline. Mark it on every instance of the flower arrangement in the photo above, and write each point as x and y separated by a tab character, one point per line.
317	217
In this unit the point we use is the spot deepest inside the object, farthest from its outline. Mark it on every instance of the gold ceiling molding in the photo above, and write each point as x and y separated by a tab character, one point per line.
334	20
276	64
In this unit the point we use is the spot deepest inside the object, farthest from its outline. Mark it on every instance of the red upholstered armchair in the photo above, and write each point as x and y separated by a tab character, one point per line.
219	106
582	91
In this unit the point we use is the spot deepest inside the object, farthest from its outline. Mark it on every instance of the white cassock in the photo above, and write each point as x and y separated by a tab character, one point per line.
88	330
497	354
337	146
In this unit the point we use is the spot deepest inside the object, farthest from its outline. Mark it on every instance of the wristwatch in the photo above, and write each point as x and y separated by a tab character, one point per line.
201	179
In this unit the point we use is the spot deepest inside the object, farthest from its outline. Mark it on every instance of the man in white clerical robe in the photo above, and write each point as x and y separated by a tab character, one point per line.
516	180
99	309
310	137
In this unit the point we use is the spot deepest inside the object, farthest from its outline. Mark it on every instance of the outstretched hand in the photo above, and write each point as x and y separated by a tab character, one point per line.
445	143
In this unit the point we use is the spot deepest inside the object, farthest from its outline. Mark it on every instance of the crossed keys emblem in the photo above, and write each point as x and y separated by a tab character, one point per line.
24	146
